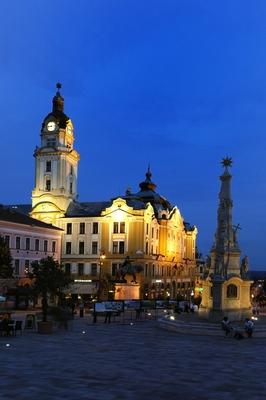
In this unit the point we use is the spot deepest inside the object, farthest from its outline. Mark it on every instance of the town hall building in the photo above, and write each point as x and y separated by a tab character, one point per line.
98	236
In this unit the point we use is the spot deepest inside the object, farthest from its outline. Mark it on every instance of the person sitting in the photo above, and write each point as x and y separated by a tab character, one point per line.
226	326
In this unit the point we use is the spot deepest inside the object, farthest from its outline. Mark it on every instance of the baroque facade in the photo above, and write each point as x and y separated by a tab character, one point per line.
99	235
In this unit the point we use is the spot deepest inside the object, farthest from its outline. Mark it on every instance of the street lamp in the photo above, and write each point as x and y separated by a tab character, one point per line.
100	288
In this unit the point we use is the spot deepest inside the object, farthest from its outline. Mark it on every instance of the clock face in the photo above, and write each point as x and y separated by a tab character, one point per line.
51	126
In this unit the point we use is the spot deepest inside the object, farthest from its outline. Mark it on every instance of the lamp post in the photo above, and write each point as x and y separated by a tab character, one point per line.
100	284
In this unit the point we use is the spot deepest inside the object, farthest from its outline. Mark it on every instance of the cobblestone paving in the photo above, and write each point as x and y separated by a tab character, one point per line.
139	361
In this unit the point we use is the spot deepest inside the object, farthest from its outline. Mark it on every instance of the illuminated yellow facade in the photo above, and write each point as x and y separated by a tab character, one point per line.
142	225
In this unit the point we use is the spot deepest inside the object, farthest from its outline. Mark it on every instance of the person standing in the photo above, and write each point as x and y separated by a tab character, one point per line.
81	309
249	326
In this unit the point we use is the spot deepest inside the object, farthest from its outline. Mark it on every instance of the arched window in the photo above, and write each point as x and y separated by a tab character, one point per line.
232	291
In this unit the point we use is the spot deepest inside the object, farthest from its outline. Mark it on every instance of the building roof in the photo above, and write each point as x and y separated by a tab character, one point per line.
9	214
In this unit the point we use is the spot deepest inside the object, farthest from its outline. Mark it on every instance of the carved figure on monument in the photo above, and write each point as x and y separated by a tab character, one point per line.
244	267
207	267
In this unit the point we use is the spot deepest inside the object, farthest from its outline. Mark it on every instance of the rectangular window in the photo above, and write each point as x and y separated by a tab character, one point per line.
122	227
147	229
16	267
151	249
27	243
115	227
80	269
82	228
69	228
37	244
153	269
45	246
68	269
71	187
7	240
95	228
94	269
68	247
152	232
94	247
48	166
157	234
17	242
48	185
81	247
115	247
121	247
53	246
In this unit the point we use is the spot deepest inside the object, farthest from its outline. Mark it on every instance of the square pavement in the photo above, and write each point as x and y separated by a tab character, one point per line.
134	360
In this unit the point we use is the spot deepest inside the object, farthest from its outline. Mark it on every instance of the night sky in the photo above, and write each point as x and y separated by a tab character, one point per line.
179	84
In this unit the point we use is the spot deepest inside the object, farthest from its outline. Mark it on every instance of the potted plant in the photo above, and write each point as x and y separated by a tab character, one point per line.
49	279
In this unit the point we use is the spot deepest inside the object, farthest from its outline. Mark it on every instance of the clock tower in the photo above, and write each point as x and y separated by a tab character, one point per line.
56	165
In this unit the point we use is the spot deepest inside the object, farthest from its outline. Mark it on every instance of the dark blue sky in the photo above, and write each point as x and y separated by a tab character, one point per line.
177	83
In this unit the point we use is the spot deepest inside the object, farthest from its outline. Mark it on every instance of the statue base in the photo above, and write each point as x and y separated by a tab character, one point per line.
226	298
127	291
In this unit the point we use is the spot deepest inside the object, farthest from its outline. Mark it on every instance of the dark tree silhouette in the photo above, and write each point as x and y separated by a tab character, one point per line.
6	269
49	278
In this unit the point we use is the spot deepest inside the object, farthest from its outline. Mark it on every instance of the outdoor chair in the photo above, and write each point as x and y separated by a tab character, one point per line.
30	322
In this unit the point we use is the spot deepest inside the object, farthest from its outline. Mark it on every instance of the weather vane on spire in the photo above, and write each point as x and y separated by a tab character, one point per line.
227	162
58	86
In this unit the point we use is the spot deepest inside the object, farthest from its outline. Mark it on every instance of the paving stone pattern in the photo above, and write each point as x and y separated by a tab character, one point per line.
139	361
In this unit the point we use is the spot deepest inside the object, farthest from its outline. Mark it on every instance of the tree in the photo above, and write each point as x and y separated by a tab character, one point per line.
6	269
49	278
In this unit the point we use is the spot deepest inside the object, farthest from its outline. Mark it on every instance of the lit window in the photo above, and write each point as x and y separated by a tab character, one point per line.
122	227
115	247
115	227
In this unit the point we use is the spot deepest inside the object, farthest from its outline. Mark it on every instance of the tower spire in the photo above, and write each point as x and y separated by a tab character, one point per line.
147	184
